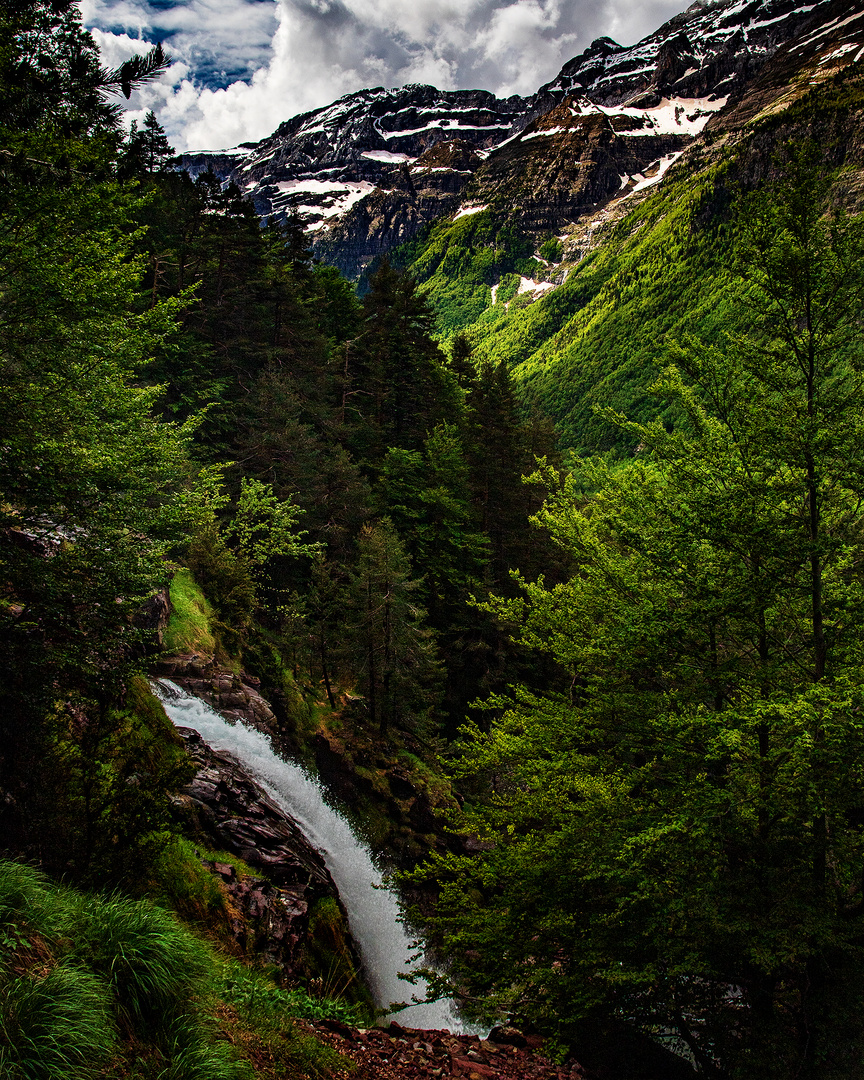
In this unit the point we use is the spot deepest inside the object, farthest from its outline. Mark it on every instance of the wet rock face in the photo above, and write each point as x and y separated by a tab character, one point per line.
267	922
237	814
269	915
236	697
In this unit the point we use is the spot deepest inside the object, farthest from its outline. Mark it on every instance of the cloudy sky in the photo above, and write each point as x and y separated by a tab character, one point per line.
242	66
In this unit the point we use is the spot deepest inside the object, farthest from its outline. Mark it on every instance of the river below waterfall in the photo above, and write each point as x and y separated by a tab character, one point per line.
374	912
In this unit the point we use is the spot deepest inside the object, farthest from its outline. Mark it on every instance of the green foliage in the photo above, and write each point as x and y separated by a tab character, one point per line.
147	149
227	582
255	995
150	963
56	1026
428	499
94	984
459	261
95	493
552	250
180	880
91	973
396	384
392	654
53	83
21	893
263	526
188	628
265	1014
508	287
115	777
678	821
330	966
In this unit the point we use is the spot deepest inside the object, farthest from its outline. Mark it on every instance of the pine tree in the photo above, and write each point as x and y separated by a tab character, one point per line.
146	150
389	646
681	820
396	386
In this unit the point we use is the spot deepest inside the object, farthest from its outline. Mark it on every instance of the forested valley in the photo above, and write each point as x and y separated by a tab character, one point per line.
566	595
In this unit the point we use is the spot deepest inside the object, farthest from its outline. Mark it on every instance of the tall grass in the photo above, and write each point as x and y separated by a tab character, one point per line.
23	896
151	963
189	628
98	986
55	1028
78	971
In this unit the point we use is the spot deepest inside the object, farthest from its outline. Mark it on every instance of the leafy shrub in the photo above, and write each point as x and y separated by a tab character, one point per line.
227	580
552	250
508	286
255	996
187	886
266	1030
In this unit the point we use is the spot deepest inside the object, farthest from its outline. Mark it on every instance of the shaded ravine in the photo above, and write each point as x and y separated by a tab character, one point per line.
374	914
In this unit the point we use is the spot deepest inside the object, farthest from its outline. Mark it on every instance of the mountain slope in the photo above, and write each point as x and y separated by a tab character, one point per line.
656	264
376	168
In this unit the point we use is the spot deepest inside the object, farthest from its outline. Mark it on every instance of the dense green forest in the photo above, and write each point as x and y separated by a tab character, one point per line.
636	665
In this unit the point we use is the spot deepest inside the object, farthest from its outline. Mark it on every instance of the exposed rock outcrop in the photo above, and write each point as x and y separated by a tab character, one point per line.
153	616
234	696
398	1053
270	916
360	175
403	819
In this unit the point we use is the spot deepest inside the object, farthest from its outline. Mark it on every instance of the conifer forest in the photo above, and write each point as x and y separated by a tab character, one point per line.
521	514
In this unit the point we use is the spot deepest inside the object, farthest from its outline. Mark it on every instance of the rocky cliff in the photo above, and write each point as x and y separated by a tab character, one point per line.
367	173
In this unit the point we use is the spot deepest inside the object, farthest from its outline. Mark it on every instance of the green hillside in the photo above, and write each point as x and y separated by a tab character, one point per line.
597	339
458	261
663	271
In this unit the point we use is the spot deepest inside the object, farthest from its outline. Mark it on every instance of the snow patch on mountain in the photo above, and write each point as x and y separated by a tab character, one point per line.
537	288
464	211
673	116
545	131
387	156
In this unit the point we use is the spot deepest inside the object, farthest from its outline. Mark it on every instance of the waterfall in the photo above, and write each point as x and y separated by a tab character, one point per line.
374	913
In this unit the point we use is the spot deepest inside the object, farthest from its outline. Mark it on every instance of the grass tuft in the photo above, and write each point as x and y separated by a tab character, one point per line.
93	987
189	628
55	1028
151	963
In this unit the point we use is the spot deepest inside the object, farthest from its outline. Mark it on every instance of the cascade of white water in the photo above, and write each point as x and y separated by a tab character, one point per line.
374	915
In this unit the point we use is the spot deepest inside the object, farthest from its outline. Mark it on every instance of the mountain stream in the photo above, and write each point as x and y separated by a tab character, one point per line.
374	913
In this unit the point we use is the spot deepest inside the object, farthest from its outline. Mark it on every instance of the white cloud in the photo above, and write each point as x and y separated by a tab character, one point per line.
238	76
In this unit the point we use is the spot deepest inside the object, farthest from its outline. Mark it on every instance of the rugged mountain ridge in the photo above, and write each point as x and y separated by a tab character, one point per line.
367	173
653	261
712	49
319	164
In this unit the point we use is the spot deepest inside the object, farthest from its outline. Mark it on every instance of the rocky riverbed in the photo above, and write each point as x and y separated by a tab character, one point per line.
398	1053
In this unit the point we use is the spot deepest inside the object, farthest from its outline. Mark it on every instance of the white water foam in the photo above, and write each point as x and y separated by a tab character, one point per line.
374	914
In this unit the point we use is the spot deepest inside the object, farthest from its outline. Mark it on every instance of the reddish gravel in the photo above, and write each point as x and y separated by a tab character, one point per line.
398	1053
